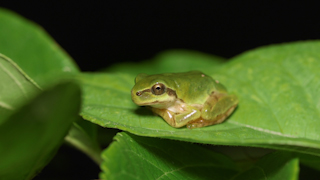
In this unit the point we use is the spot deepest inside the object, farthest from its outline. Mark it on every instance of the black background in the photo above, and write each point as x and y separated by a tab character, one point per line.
98	34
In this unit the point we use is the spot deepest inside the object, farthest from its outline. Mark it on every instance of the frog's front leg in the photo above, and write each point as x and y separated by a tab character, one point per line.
216	109
178	119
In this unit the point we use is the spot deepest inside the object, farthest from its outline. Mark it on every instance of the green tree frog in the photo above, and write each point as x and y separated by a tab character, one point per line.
191	99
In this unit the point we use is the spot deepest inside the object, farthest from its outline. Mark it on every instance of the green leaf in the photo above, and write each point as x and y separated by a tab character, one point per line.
33	49
134	157
82	135
274	166
15	87
169	61
278	87
30	137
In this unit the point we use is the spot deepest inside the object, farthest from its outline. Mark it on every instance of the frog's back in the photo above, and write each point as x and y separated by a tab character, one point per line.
194	87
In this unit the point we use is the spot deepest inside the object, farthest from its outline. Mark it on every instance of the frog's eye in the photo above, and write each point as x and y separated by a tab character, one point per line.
158	89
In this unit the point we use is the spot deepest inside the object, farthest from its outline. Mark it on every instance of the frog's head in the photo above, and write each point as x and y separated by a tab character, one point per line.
153	90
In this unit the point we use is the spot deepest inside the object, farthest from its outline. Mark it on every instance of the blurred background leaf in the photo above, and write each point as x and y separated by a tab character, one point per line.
15	87
178	60
33	49
37	59
30	137
83	136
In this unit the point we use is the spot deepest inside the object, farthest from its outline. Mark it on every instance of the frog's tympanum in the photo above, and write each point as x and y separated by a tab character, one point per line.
191	99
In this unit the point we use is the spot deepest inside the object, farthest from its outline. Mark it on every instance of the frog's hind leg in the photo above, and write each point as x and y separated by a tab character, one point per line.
202	122
216	109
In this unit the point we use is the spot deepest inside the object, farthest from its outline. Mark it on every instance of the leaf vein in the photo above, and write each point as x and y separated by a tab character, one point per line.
6	106
262	130
15	80
188	166
307	93
269	107
144	159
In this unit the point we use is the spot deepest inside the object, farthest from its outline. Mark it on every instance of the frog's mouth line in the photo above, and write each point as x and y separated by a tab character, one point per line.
152	103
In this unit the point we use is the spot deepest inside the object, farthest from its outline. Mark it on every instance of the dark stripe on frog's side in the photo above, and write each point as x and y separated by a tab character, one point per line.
169	91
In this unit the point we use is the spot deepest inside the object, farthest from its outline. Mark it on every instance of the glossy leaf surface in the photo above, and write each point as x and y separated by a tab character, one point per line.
135	157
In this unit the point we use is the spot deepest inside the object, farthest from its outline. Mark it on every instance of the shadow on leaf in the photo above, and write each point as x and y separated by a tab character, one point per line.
144	111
